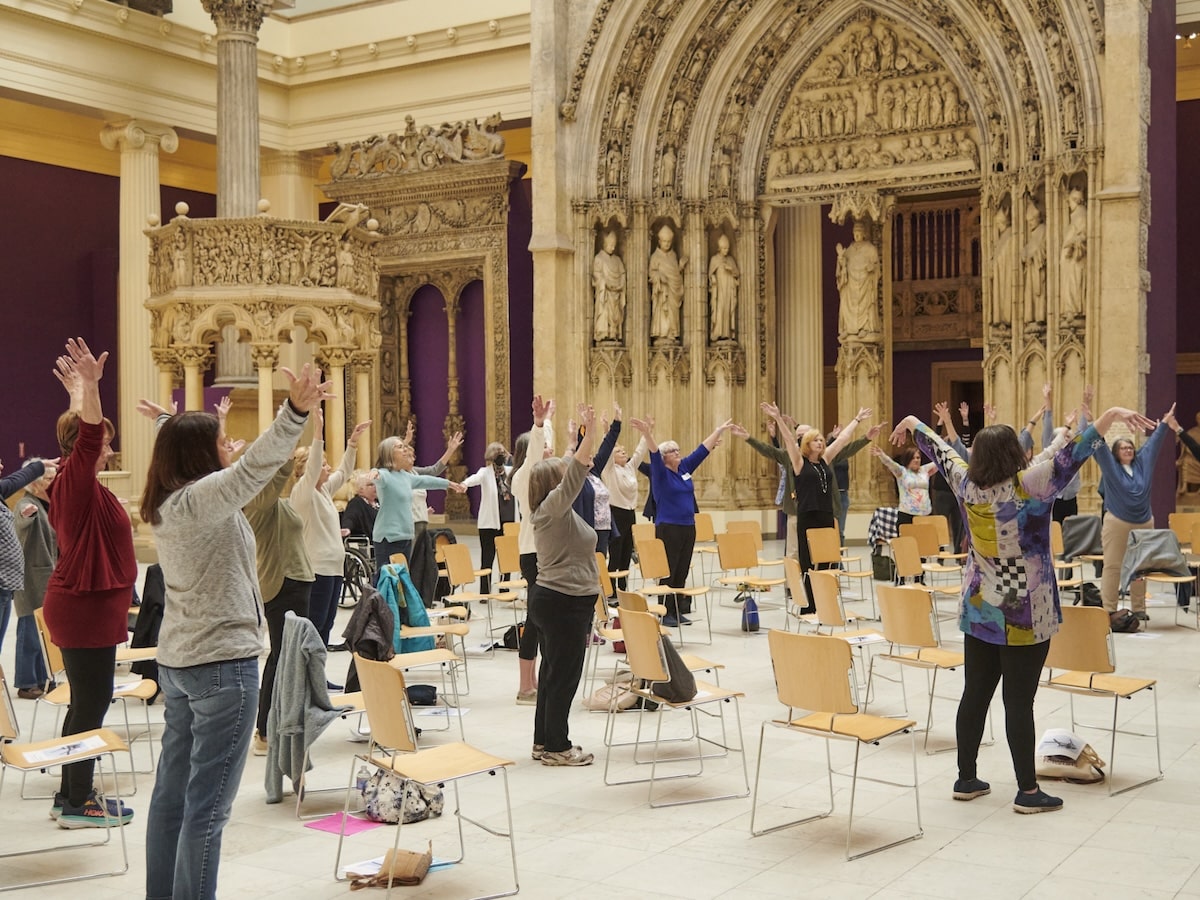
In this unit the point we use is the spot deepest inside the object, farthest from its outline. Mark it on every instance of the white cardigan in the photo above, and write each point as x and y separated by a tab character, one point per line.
621	481
489	496
520	484
322	525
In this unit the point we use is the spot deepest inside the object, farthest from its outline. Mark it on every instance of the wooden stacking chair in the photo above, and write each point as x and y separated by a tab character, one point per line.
910	569
812	673
737	555
652	560
393	749
99	744
706	545
929	549
1083	651
754	529
941	526
648	666
825	550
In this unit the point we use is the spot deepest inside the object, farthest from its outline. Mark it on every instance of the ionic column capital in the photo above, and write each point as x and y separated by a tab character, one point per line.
138	134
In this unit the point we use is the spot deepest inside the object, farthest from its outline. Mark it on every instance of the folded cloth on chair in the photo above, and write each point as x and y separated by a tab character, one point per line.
1152	550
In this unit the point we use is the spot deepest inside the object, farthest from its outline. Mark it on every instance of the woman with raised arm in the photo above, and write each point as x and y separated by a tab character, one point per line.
530	448
912	481
312	498
212	629
811	462
675	516
562	603
1127	474
88	594
1010	607
496	505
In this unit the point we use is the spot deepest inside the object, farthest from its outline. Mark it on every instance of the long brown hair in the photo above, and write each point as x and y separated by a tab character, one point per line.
996	456
184	451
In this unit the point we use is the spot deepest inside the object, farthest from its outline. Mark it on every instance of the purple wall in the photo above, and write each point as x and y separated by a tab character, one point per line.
520	307
428	330
1161	301
472	392
1187	199
912	380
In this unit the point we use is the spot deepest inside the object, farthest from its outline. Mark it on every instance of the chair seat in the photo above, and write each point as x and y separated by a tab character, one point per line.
694	663
105	741
752	581
657	590
1086	682
511	584
461	629
939	569
847	573
850	559
136	654
711	693
422	658
453	612
354	700
770	562
1162	578
438	764
861	726
618	573
929	656
139	690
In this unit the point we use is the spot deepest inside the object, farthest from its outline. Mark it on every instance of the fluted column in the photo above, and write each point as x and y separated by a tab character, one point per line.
361	366
266	357
195	359
798	297
237	24
334	361
168	374
139	144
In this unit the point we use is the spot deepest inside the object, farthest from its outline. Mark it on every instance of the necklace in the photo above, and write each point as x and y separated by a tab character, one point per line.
822	476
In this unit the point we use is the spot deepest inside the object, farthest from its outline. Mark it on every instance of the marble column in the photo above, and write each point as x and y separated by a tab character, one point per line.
289	179
266	357
139	144
195	359
362	365
798	299
237	24
333	363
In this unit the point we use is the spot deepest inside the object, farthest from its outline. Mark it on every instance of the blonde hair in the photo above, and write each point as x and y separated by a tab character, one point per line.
300	459
545	476
806	442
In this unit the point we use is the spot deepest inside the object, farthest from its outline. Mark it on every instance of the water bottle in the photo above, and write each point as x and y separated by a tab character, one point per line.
360	780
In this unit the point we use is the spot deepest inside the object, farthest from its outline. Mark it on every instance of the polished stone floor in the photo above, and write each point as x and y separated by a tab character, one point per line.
577	838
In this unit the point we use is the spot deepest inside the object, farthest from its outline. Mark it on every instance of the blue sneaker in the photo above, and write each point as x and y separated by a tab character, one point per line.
1037	802
684	620
670	621
92	814
970	788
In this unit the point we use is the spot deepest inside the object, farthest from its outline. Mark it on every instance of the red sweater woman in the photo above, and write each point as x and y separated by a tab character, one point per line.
87	599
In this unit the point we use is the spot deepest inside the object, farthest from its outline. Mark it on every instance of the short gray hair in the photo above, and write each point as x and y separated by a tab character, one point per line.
668	446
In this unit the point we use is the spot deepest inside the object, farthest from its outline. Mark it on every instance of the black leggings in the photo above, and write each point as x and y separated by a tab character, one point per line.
620	548
805	521
1020	667
292	596
90	674
528	646
678	542
487	556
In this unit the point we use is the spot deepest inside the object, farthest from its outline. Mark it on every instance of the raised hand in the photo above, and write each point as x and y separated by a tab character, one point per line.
642	425
319	418
864	413
222	408
550	407
771	427
357	433
899	436
539	410
942	411
410	431
1171	414
1072	417
770	409
235	447
964	411
587	415
67	376
86	365
1047	392
738	431
616	411
307	390
989	414
875	430
152	410
456	441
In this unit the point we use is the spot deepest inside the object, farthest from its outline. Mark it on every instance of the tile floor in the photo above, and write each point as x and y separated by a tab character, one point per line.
577	838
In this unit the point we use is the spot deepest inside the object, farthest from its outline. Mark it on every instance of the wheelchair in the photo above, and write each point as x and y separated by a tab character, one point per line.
358	569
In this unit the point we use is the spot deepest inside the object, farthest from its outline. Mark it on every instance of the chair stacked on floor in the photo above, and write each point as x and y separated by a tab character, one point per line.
98	744
813	673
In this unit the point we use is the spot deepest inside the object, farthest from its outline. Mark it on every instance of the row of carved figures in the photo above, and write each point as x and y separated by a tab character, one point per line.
870	154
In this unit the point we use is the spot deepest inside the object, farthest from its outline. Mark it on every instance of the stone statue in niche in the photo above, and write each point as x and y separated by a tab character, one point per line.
1033	260
666	288
1003	259
678	111
621	108
612	164
608	282
723	280
345	265
1070	110
666	169
858	285
887	50
1073	266
1032	126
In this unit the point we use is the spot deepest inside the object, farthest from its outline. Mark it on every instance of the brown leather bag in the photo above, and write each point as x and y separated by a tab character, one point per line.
406	867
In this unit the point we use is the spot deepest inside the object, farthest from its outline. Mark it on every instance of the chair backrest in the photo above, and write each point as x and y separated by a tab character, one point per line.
941	526
642	531
1056	540
1182	524
705	534
794	578
9	729
440	543
513	528
641	634
906	555
824	545
1195	539
459	568
736	550
386	702
51	655
826	597
1083	642
812	672
508	553
632	601
398	559
606	585
747	526
603	615
652	558
925	534
906	615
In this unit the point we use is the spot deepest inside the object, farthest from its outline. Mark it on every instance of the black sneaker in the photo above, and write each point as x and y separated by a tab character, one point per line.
1037	802
1143	616
970	788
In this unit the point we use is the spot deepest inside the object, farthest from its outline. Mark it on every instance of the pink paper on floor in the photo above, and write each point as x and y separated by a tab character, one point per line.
333	824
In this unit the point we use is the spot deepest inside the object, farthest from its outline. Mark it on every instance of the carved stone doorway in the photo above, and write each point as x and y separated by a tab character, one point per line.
958	383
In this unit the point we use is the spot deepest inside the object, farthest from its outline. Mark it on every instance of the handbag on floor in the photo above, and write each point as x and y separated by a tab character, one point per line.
1088	768
404	867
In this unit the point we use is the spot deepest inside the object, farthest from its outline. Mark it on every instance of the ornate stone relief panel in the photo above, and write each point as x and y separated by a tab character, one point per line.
418	150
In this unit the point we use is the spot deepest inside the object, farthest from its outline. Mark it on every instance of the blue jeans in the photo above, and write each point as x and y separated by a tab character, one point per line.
384	551
208	723
5	612
31	668
323	604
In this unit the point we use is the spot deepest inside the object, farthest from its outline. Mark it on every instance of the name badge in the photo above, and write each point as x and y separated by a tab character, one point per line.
687	476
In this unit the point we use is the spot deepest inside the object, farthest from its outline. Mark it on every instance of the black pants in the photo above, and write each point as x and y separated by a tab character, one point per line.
805	521
946	504
90	674
1064	508
487	556
678	541
620	548
528	647
1020	667
564	622
292	596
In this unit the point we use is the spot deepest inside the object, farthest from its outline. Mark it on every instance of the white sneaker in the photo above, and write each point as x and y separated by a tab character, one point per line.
258	747
571	757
